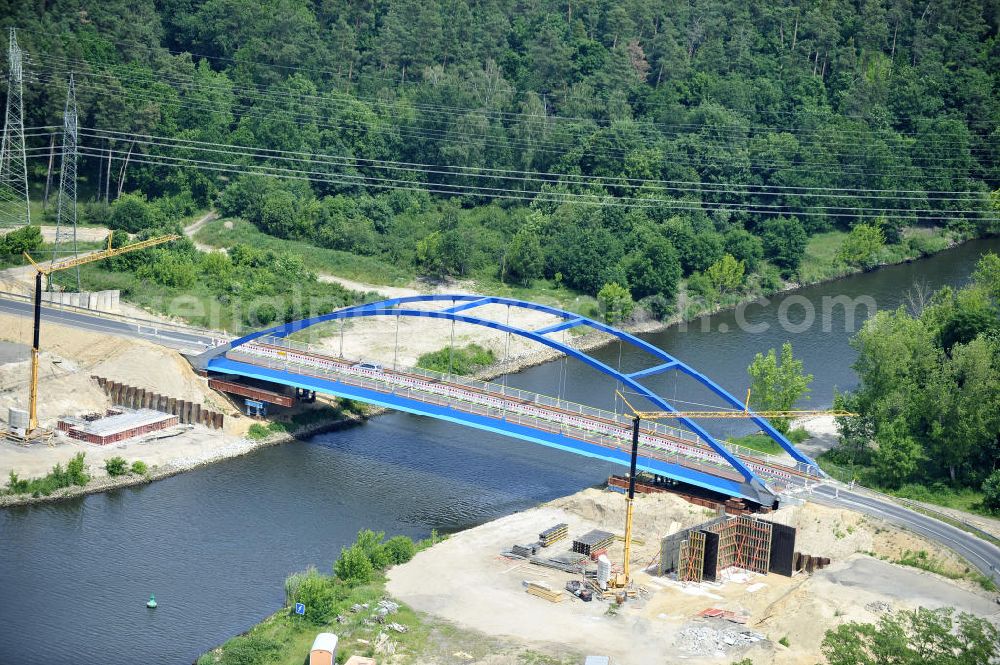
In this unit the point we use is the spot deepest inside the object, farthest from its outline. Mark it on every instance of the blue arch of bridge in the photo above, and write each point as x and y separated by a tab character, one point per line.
459	311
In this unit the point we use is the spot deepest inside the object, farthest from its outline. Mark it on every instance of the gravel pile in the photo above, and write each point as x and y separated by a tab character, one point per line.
878	607
704	640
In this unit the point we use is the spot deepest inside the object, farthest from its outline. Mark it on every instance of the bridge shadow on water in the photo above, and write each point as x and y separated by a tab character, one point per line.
424	460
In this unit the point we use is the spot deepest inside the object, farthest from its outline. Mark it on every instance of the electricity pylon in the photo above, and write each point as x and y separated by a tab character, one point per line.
65	243
14	210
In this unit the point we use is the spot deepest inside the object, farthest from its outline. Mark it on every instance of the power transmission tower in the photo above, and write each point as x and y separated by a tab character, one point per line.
66	208
14	210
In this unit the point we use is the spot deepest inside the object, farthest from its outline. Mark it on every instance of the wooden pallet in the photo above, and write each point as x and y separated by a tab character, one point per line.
546	592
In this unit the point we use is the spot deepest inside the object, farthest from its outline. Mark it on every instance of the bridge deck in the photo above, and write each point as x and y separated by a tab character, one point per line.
513	412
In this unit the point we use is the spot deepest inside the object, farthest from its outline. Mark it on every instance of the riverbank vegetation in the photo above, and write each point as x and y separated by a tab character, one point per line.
465	360
764	444
345	603
689	154
57	478
929	398
306	418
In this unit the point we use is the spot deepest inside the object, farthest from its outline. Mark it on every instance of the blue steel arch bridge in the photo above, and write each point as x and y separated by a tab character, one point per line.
686	453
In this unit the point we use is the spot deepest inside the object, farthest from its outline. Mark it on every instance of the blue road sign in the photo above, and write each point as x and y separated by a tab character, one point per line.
300	608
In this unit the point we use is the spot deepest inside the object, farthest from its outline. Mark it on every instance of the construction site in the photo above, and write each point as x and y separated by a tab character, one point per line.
707	586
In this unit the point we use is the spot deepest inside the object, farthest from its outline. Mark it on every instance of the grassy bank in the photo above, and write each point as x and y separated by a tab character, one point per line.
344	603
224	233
822	260
921	560
966	499
56	479
765	444
347	603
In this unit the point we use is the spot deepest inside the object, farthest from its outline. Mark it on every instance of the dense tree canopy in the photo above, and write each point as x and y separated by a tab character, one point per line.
633	133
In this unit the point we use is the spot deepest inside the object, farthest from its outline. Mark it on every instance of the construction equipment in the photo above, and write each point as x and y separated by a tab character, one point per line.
733	413
46	270
624	579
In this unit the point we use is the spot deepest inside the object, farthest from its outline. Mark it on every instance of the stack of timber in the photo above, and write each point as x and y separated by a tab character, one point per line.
553	534
543	590
593	541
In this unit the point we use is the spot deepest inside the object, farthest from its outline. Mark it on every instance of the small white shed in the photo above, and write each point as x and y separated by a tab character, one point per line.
324	650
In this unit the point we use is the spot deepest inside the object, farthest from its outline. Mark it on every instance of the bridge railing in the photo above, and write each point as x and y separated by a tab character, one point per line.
620	419
507	391
555	415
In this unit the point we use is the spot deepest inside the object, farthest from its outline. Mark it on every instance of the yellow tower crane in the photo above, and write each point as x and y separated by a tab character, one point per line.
638	416
46	270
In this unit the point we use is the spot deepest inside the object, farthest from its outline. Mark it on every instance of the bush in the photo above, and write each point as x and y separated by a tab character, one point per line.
991	492
15	485
784	243
319	594
463	360
258	432
139	467
116	466
294	581
371	544
863	246
75	470
24	239
616	302
353	567
400	549
133	213
250	650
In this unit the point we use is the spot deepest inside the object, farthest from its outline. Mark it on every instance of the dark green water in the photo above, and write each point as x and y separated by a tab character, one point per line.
214	545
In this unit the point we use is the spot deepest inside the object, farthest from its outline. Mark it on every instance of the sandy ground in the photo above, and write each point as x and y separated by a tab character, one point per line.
68	360
184	446
70	356
464	580
823	431
375	339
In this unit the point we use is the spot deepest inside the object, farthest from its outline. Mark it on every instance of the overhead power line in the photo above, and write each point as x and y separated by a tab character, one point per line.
525	176
490	192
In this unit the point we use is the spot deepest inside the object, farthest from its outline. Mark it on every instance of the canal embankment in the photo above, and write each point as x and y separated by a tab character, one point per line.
70	360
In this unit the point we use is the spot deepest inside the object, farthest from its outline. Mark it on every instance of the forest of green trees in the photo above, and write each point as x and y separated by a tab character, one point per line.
586	142
929	397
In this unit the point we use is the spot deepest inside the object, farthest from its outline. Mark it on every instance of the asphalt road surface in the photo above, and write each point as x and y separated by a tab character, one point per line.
983	555
165	335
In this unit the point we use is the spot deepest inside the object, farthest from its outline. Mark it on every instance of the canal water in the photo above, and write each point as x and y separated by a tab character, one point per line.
215	544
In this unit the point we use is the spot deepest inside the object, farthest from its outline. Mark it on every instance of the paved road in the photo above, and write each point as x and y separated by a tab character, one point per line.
166	335
980	553
983	555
